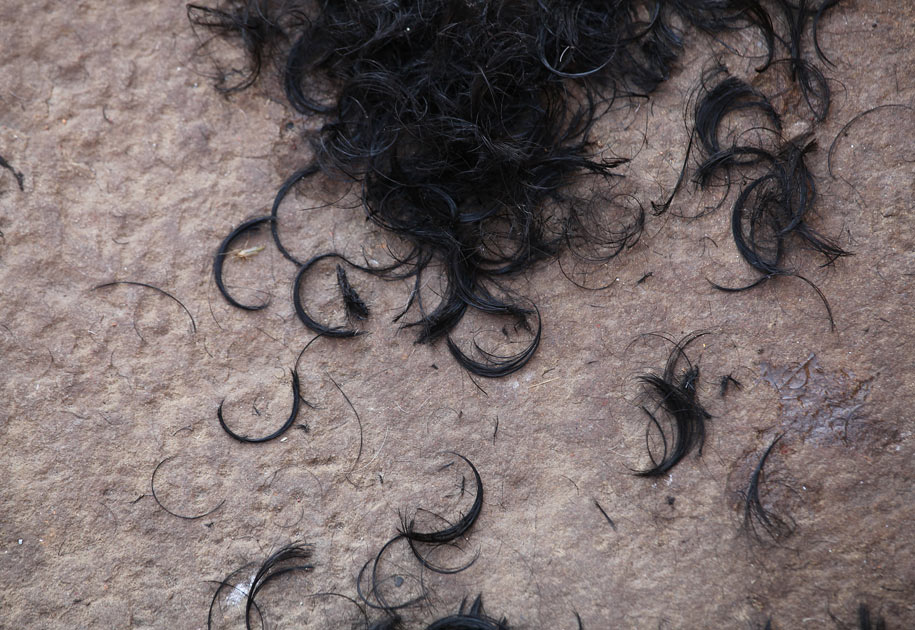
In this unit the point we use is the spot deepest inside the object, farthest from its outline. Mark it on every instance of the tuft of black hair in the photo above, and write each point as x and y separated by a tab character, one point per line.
677	396
864	619
757	519
475	618
355	306
285	560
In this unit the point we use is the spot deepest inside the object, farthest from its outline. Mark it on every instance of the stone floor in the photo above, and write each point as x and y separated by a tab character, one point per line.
135	169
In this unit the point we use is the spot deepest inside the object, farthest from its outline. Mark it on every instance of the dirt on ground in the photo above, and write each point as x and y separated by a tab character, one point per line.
135	169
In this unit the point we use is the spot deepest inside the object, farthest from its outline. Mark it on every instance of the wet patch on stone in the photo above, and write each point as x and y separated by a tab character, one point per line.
819	406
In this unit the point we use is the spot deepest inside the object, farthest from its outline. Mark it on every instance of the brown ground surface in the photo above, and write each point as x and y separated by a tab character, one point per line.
135	169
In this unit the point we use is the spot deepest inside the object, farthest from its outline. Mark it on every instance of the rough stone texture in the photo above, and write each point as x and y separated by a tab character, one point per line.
135	169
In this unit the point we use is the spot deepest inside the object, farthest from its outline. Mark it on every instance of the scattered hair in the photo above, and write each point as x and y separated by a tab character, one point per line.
304	316
373	597
448	534
372	593
223	251
358	419
291	181
606	516
385	623
732	93
726	382
296	400
154	288
152	489
843	132
494	365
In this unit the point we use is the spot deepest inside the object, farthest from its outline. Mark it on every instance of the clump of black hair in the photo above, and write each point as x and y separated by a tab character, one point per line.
373	594
474	618
864	619
468	125
775	203
677	396
285	560
448	534
773	207
460	132
353	303
391	622
19	176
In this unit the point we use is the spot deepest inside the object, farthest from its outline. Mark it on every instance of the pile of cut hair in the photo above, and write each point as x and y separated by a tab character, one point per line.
467	126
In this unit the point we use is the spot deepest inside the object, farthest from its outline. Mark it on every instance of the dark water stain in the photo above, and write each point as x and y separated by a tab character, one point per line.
820	406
